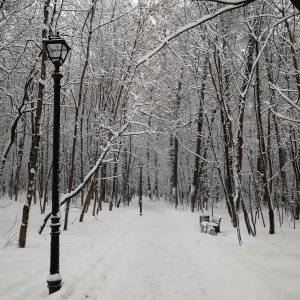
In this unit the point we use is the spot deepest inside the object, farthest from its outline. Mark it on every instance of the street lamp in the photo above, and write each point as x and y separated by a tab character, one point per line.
141	189
58	50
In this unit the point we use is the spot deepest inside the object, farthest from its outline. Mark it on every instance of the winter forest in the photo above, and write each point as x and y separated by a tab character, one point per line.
196	101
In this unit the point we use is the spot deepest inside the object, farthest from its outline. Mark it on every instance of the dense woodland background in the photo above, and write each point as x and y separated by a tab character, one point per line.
204	94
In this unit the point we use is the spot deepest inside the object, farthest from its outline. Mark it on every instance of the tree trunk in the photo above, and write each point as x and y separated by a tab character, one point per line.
262	148
156	194
226	121
88	197
36	138
282	155
76	125
240	124
46	190
197	171
19	162
175	174
294	54
102	187
114	183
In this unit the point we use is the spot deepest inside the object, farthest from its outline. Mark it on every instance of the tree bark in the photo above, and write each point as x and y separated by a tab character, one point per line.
77	108
262	148
36	138
196	171
19	161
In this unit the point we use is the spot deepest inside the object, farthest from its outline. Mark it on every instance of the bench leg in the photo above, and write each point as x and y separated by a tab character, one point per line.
203	228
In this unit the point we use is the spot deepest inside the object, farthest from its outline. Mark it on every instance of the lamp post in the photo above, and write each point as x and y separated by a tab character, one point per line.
58	50
141	189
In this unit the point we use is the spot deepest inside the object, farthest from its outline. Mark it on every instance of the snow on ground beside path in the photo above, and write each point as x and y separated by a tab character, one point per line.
161	255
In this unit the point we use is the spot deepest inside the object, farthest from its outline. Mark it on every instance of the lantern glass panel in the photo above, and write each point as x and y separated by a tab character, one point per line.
54	52
64	52
57	49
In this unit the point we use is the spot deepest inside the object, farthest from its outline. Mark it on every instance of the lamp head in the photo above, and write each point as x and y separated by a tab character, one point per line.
57	49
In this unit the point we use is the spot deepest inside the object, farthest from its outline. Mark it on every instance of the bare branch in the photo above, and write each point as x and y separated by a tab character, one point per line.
190	26
281	116
292	103
78	189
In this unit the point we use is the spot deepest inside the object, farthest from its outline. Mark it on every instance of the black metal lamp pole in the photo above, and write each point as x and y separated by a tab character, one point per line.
141	189
57	50
54	279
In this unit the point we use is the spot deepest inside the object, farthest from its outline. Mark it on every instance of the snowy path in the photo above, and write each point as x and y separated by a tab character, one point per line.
161	255
151	259
157	264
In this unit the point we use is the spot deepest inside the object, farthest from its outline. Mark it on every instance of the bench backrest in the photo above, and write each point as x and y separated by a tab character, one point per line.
216	219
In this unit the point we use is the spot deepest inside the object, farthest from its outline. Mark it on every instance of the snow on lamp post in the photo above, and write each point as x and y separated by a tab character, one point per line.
140	188
58	50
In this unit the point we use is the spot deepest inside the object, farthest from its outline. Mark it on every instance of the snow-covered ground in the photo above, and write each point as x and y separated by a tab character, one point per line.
120	255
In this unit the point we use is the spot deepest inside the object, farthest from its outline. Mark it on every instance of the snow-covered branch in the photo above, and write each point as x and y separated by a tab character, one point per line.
271	30
114	19
281	116
191	25
235	2
202	158
284	96
295	2
100	160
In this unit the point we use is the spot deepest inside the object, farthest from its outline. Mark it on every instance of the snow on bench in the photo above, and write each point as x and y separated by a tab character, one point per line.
211	226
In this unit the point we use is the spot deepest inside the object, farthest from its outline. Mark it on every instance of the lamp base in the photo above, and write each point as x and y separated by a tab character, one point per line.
54	286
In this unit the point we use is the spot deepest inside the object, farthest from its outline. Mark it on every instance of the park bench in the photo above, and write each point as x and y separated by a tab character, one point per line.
211	226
